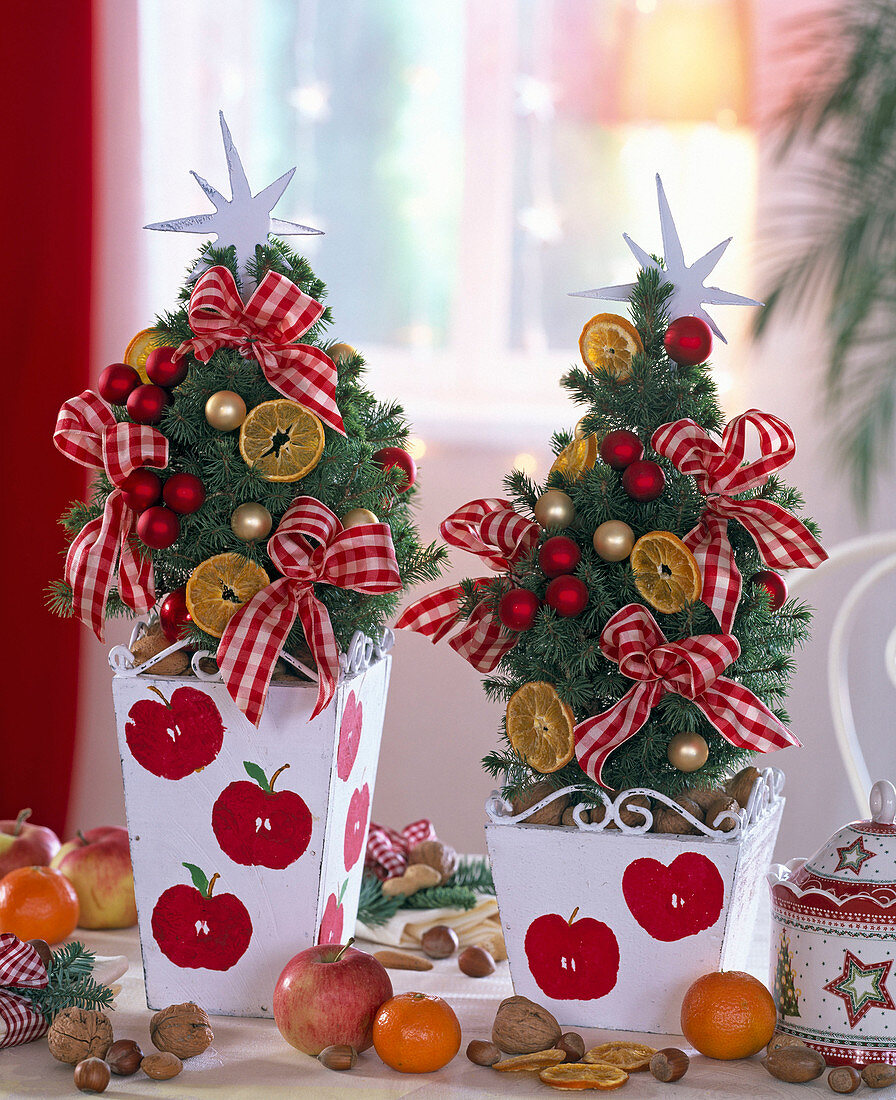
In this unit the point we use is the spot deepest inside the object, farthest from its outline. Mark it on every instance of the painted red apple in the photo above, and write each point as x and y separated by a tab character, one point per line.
675	901
356	825
197	931
349	736
24	845
173	739
331	921
258	826
572	960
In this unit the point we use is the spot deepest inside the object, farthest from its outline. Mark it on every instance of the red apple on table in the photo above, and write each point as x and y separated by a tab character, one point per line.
330	994
331	921
175	737
356	825
572	960
258	826
197	931
349	736
25	845
98	864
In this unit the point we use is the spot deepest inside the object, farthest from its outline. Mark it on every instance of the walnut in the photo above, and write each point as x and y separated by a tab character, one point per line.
740	787
628	815
153	641
433	853
548	815
666	820
79	1033
723	804
523	1027
181	1029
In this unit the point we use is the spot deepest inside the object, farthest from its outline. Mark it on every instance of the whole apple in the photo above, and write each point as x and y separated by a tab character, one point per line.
98	864
24	845
330	994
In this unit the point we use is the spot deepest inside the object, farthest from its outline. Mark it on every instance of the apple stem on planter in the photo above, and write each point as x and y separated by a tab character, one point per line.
156	691
572	915
211	884
344	948
273	778
20	822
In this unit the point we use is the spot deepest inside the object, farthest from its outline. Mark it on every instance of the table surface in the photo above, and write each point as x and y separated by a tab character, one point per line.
250	1061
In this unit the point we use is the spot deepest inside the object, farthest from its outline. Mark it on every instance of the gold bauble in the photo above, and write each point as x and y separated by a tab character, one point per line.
341	351
580	432
357	517
687	751
225	410
251	521
614	540
554	509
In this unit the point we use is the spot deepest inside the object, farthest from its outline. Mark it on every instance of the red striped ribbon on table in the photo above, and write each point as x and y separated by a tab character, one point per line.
782	540
692	668
20	965
387	850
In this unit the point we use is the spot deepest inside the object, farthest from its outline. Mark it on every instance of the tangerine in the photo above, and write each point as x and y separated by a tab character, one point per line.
38	903
728	1014
416	1033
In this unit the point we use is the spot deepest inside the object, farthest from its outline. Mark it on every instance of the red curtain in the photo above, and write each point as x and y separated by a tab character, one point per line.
46	195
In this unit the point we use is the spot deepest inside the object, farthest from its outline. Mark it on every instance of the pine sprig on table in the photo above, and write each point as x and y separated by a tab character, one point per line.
374	908
473	876
71	983
441	897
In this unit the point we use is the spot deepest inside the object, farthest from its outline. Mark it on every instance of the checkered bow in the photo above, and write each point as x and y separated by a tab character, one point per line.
309	547
783	542
387	850
20	965
493	531
693	668
266	327
87	432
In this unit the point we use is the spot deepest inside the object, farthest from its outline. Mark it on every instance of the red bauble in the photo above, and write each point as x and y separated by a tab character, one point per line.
117	383
184	493
688	341
388	457
158	527
146	403
173	613
141	489
774	584
621	448
518	608
161	370
558	555
644	481
567	595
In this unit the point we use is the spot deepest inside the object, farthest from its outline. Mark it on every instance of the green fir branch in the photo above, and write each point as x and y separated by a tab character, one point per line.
70	983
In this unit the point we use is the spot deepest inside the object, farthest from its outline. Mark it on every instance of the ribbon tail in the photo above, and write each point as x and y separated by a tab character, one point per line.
597	737
482	641
90	563
782	540
136	579
742	718
432	615
722	582
304	374
321	641
23	1021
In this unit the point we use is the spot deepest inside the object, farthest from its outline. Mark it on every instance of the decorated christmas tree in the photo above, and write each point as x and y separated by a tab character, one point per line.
635	621
246	477
786	993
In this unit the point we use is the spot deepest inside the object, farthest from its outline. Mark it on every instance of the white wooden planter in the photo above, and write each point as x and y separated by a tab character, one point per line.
607	928
272	871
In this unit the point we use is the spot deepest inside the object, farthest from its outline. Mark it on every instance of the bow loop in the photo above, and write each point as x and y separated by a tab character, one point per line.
388	849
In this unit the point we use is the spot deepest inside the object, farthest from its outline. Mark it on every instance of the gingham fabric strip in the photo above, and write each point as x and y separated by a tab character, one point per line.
782	540
20	965
87	432
266	328
361	559
387	850
691	668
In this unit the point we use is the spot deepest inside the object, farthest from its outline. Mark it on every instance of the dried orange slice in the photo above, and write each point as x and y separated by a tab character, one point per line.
666	573
583	1075
539	726
281	440
608	343
576	458
137	350
219	587
627	1056
530	1063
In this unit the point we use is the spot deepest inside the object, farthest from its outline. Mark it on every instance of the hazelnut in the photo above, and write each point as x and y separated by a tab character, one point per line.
877	1075
573	1046
782	1039
844	1079
482	1053
79	1033
161	1067
43	949
92	1075
339	1056
795	1064
124	1057
669	1064
439	942
476	962
523	1027
181	1029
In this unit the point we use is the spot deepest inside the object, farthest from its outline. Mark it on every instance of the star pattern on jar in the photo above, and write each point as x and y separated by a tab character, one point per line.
852	856
862	987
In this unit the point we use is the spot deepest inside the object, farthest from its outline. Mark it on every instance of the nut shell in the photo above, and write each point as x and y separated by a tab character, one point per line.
340	1056
161	1066
153	641
435	853
669	1064
781	1039
844	1079
439	942
740	787
573	1046
547	815
877	1075
124	1057
666	820
476	962
79	1033
92	1075
795	1064
181	1029
523	1027
482	1053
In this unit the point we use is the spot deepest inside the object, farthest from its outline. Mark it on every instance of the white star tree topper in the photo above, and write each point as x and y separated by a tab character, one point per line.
244	220
689	294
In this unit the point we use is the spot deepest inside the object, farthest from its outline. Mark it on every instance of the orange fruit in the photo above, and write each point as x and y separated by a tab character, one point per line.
281	440
137	350
539	726
576	457
416	1033
608	342
38	903
584	1075
666	573
728	1014
219	587
631	1057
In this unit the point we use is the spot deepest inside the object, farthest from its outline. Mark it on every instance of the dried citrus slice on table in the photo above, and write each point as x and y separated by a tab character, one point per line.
539	726
666	573
622	1054
530	1063
139	348
608	342
219	587
576	457
281	440
583	1075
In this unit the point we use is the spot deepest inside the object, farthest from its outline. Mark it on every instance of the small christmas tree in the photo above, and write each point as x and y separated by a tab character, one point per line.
634	627
786	993
248	478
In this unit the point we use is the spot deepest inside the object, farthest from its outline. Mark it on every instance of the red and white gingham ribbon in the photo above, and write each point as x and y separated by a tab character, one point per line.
87	432
783	542
20	965
493	531
276	315
693	668
387	850
310	546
